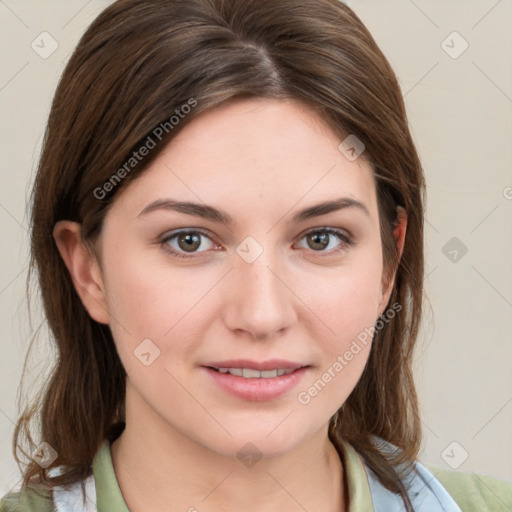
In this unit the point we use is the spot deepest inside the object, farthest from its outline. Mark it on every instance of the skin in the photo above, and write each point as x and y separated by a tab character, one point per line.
261	161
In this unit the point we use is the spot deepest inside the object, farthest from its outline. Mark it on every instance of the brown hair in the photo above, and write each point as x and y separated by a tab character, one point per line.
133	68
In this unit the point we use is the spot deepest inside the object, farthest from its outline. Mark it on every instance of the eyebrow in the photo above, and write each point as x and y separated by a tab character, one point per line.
210	213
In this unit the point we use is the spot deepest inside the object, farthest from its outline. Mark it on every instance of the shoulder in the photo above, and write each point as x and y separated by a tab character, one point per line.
475	492
31	498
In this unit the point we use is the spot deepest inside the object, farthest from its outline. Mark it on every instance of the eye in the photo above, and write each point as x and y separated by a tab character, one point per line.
187	241
321	238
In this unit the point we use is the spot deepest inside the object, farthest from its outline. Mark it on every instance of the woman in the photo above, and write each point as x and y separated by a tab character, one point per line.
227	232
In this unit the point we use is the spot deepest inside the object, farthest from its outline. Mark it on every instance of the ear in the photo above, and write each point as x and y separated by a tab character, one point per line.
83	267
399	236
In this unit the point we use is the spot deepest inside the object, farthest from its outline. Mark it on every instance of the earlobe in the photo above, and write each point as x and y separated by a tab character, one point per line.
83	268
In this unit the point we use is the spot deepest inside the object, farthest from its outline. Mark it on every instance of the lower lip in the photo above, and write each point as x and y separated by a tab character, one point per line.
257	389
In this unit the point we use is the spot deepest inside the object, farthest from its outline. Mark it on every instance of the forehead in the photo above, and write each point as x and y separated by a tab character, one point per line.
261	156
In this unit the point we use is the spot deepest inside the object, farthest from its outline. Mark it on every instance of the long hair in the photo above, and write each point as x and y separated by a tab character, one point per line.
134	68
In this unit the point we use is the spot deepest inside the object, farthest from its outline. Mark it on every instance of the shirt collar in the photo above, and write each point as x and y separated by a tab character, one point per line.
108	493
359	493
109	496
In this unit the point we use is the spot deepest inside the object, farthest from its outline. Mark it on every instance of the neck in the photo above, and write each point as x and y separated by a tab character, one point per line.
161	469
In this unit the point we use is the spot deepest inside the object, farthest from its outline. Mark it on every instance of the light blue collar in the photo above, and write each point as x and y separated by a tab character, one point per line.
425	491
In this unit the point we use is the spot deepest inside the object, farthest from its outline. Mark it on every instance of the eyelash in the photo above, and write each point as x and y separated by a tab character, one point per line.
346	241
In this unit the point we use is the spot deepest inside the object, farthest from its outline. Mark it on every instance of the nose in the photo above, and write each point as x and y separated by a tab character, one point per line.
260	301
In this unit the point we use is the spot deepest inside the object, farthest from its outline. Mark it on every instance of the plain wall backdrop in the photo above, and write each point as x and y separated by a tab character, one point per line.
453	60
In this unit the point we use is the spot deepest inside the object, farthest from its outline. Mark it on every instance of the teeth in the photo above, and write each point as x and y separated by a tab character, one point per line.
249	373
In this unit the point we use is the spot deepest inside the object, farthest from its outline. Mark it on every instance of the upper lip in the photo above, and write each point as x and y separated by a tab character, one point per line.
271	364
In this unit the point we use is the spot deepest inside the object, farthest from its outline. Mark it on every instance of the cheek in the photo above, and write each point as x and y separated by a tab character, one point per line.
350	315
346	307
149	301
149	298
347	299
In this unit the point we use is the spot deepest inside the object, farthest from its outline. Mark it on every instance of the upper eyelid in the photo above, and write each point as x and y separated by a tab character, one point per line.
174	233
326	228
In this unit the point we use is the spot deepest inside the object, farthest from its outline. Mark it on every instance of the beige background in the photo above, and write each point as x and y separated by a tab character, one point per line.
461	117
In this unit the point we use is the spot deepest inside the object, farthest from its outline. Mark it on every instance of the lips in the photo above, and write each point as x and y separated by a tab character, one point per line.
248	385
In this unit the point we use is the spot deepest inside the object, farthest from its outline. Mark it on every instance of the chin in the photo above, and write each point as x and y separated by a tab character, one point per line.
261	441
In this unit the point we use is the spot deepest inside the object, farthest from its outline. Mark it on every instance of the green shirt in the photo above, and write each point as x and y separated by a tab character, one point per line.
472	492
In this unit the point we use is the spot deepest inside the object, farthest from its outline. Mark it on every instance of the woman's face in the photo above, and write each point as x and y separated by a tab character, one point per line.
262	287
